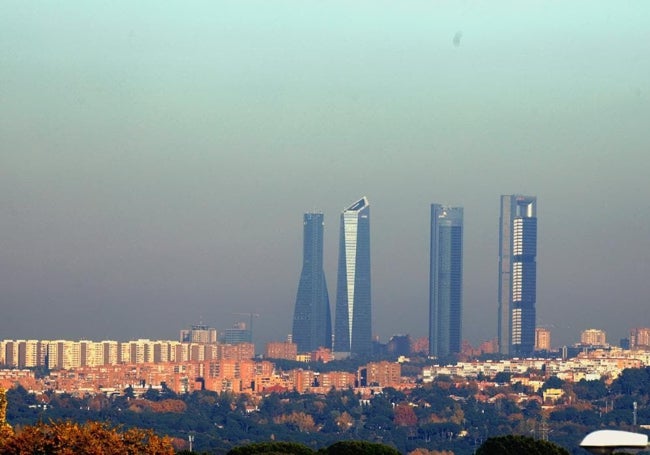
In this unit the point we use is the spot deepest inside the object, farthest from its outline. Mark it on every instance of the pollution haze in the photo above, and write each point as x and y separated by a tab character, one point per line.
156	158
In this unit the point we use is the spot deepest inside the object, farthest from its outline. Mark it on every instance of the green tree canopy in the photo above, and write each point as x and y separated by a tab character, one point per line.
358	448
517	445
553	383
289	448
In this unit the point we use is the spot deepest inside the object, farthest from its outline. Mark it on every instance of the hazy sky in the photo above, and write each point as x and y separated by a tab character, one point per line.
156	158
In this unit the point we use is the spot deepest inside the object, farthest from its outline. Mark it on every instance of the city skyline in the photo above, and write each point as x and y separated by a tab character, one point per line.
152	160
446	280
312	322
353	314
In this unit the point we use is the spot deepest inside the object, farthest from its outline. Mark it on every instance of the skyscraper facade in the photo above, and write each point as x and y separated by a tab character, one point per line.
352	326
312	323
445	280
517	274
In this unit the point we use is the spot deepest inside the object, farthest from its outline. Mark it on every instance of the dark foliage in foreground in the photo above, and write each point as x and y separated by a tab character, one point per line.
517	445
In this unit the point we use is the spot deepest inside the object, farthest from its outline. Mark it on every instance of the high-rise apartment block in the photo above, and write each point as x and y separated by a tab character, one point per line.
593	337
66	354
517	274
542	339
640	338
312	323
445	280
353	326
199	334
382	374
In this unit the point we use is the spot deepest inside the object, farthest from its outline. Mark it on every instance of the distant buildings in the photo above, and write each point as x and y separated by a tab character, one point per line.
542	339
199	334
238	333
67	354
445	280
23	353
312	324
517	274
593	337
382	374
640	338
321	355
353	328
399	345
281	350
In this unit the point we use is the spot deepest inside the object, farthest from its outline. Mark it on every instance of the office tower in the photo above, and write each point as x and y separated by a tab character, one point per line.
312	322
517	274
542	339
352	327
238	333
445	280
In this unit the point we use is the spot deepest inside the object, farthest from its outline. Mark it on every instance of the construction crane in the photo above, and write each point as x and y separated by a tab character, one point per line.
250	327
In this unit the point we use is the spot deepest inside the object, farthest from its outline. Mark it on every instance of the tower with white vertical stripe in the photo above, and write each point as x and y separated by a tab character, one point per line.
352	326
517	274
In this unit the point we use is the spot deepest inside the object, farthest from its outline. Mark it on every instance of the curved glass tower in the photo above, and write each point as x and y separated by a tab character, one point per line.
312	324
353	327
517	274
445	280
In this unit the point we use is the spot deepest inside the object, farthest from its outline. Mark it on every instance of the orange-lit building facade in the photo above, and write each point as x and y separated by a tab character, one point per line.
281	350
593	337
542	339
321	355
382	374
640	338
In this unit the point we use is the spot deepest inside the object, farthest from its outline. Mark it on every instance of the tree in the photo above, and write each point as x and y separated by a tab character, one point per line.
358	448
405	416
590	390
301	421
633	381
90	438
344	421
502	377
517	445
553	383
5	428
290	448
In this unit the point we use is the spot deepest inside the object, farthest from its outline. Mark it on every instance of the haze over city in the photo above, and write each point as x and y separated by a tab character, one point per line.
156	160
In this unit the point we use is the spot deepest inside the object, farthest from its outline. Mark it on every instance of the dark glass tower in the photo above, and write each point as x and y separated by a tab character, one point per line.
517	274
445	280
312	323
353	327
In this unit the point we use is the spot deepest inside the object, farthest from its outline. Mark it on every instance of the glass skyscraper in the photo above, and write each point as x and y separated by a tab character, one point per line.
312	323
352	327
517	274
445	280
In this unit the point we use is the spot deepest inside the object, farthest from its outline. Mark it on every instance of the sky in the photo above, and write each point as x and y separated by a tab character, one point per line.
156	158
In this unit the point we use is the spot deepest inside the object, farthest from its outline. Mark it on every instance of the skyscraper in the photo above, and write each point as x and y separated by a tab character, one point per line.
352	327
445	280
517	274
312	323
